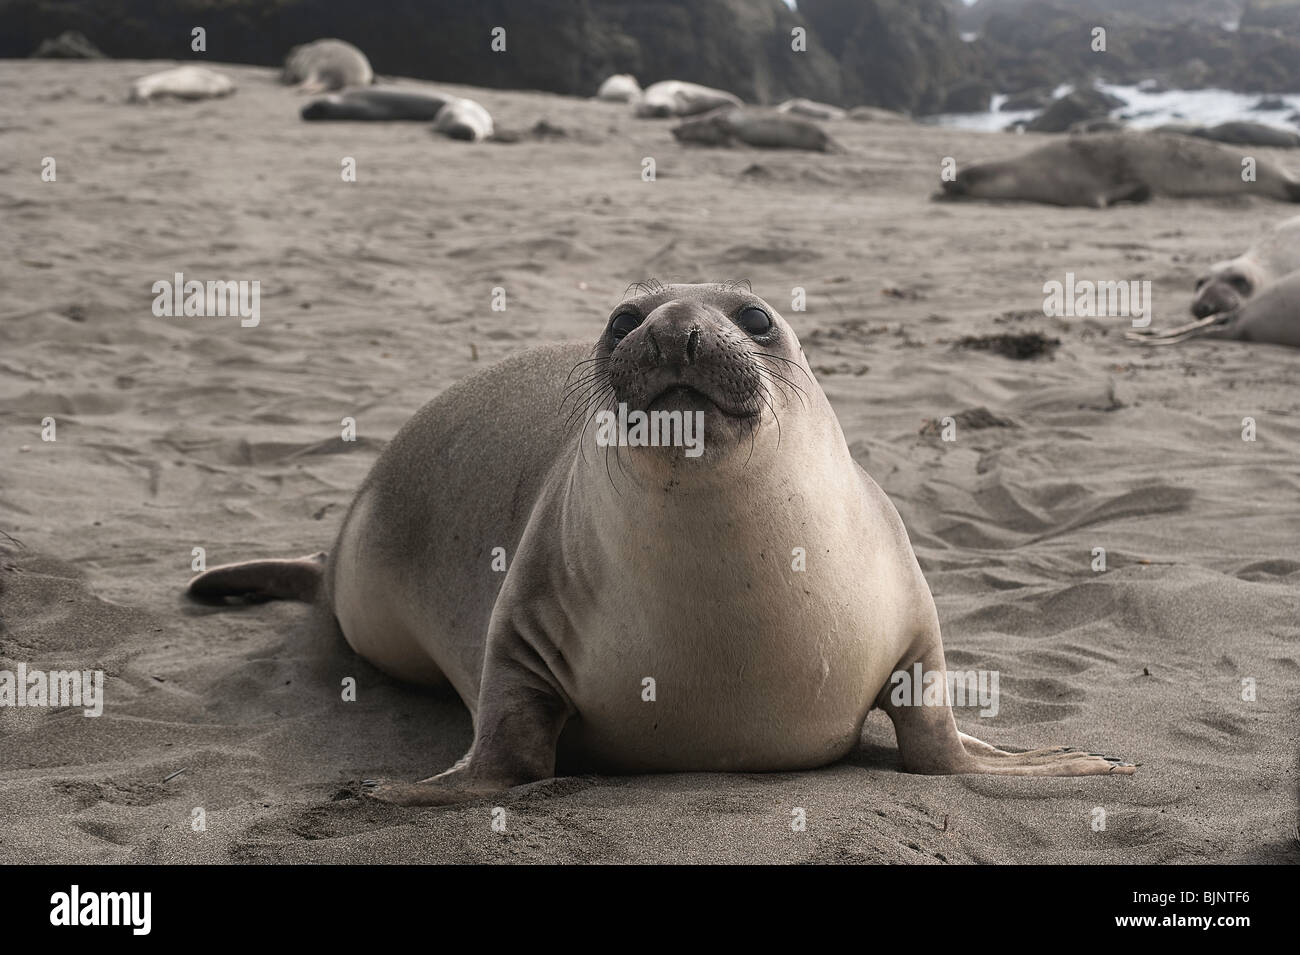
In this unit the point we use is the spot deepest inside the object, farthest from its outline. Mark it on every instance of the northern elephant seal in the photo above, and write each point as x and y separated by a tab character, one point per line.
676	98
651	617
812	110
376	105
1241	133
1106	168
464	119
765	129
619	88
327	64
1272	317
183	82
1229	283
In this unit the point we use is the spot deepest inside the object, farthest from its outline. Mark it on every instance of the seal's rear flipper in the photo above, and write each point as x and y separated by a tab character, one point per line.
297	579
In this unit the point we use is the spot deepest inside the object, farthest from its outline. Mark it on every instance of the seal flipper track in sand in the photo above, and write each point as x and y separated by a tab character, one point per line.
297	579
930	743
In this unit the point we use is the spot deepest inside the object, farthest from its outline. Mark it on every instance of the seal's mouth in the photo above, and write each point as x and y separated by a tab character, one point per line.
679	396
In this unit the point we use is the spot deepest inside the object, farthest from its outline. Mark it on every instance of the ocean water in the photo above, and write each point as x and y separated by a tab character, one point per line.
1147	109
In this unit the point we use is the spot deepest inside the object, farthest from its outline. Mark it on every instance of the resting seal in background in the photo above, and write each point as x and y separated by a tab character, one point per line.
375	105
1271	317
1247	134
464	119
326	65
1231	282
765	129
619	88
183	82
812	110
1106	168
635	563
675	98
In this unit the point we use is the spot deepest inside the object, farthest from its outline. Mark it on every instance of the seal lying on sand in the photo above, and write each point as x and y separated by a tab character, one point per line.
183	82
1247	134
1231	282
375	105
464	119
675	98
651	618
811	110
326	65
1106	168
763	128
1272	316
619	88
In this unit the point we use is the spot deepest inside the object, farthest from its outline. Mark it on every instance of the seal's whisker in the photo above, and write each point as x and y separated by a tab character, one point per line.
582	387
767	354
585	361
765	395
588	388
799	392
583	382
592	406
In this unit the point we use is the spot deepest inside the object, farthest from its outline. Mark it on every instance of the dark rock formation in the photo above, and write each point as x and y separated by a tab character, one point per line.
1076	107
972	96
1030	99
68	45
1036	44
899	54
565	46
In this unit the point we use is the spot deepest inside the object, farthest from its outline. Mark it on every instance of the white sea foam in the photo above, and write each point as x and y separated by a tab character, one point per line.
1146	109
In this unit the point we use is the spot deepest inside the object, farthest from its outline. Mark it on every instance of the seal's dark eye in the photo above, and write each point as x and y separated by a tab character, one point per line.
754	320
622	324
1200	283
1241	285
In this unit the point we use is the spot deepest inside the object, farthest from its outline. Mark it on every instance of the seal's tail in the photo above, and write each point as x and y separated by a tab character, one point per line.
297	579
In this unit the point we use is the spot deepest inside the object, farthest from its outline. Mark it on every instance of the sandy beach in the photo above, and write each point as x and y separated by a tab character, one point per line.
176	433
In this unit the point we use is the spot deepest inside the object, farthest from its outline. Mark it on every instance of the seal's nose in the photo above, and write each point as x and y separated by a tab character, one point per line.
1210	301
673	335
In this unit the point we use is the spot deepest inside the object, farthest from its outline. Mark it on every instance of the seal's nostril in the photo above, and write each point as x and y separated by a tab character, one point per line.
654	344
692	345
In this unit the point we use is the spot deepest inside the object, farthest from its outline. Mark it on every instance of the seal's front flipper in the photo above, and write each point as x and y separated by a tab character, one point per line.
930	743
1124	192
521	711
1171	336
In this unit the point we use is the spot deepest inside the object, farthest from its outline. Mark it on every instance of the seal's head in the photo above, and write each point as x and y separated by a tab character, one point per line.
321	108
984	181
716	353
1224	288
